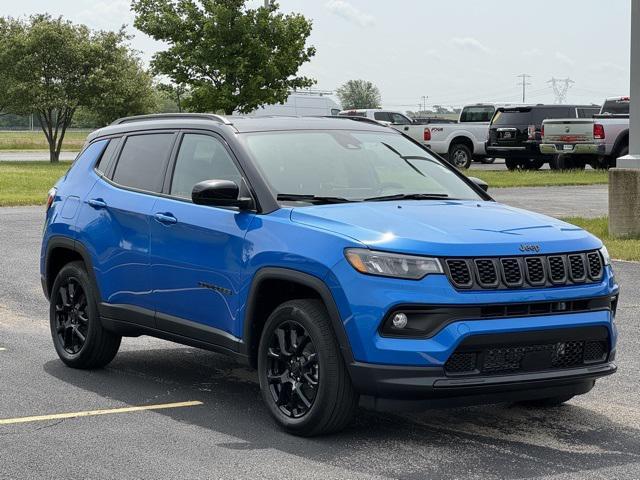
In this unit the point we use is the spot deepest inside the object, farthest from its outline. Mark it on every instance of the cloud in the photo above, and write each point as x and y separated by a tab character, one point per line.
349	13
608	68
469	43
564	59
533	52
107	14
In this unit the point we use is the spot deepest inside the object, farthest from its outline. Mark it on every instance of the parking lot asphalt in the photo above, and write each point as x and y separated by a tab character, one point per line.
229	435
569	201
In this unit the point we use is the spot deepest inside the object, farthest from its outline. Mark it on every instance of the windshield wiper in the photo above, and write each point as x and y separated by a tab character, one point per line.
408	196
318	199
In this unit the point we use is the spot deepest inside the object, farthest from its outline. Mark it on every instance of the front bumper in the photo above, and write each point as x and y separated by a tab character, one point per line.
386	387
576	149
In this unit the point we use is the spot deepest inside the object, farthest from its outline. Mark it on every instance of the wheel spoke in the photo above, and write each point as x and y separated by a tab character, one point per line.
280	334
79	334
302	343
64	296
311	359
310	380
302	396
278	377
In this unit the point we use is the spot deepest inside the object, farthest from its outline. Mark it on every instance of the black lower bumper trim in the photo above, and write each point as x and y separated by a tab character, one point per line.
430	387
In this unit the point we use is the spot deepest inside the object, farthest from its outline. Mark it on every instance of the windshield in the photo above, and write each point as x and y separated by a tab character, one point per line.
351	165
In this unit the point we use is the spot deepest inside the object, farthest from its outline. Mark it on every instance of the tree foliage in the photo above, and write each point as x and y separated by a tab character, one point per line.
359	94
51	67
232	57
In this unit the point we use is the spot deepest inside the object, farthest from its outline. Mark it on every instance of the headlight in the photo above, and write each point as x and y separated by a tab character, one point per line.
392	264
605	255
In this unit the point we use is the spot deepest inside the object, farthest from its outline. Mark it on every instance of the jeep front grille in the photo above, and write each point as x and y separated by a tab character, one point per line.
524	272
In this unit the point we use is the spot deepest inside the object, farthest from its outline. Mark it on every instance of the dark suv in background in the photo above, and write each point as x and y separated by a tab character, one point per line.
515	133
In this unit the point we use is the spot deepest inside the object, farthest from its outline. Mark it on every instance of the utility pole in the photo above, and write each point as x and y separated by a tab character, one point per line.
524	84
424	103
560	87
267	3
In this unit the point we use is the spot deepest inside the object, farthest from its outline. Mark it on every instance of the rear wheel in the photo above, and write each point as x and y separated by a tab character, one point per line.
561	162
78	336
303	378
460	155
513	164
533	164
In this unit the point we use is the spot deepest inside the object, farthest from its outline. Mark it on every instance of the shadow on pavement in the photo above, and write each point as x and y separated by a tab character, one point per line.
482	442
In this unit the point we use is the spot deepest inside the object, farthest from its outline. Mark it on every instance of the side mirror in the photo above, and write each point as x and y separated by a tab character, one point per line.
480	183
219	193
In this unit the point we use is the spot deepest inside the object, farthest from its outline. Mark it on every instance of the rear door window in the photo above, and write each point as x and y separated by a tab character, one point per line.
477	114
382	116
143	161
105	160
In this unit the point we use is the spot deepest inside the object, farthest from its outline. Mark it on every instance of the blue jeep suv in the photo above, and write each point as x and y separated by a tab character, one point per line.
345	261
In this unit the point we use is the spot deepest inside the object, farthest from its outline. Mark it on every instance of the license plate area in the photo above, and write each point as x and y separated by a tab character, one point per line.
567	148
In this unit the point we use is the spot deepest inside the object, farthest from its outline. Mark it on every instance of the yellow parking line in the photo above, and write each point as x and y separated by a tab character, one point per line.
61	416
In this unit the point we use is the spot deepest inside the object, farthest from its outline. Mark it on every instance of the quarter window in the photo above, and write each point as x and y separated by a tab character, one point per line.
201	157
143	161
103	163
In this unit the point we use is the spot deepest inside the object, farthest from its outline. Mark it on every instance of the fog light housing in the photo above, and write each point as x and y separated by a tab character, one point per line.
400	320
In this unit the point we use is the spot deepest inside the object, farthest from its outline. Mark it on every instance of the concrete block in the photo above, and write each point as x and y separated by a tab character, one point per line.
624	202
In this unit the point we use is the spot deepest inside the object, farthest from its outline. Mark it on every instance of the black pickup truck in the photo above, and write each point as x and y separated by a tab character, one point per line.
515	133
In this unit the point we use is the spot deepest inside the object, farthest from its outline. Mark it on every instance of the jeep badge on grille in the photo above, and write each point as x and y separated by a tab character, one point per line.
529	247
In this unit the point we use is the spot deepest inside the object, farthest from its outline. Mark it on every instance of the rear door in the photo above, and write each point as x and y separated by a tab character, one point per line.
115	224
197	251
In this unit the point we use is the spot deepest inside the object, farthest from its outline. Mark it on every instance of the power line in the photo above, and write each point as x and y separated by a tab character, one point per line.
524	84
560	87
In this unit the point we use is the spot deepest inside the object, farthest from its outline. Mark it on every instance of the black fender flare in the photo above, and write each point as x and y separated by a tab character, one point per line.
307	280
622	138
59	241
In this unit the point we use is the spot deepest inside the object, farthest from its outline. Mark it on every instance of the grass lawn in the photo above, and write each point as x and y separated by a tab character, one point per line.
27	183
35	140
540	178
619	248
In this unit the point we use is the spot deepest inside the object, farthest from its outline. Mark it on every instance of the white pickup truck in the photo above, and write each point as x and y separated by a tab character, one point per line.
596	141
461	142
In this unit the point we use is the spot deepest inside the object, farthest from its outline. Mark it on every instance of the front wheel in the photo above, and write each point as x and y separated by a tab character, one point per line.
460	156
303	378
78	335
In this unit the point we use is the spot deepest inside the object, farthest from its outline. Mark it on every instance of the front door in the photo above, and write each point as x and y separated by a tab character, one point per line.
197	251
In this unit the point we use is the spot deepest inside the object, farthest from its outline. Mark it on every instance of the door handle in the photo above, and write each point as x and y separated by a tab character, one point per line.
97	203
406	129
166	218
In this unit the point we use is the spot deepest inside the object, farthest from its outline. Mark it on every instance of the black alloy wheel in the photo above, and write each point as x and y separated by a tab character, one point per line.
71	316
293	370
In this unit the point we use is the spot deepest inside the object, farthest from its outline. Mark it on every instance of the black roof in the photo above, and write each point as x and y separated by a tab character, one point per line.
236	124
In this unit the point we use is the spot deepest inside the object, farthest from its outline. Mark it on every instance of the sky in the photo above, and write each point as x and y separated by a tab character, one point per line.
451	51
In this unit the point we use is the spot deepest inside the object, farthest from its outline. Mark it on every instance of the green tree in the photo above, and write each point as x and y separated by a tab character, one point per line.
51	67
359	94
231	57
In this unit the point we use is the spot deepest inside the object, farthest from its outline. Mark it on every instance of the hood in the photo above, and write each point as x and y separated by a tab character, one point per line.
447	228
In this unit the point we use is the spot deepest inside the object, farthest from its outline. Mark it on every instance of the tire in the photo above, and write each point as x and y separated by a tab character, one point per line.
533	164
460	156
513	164
73	315
546	402
285	371
561	162
487	161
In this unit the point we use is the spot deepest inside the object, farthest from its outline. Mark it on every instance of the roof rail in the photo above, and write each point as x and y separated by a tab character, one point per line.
173	116
356	118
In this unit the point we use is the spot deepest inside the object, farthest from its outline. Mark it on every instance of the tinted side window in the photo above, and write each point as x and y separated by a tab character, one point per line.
398	119
382	116
201	157
143	161
477	114
616	107
105	159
